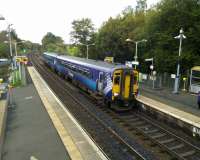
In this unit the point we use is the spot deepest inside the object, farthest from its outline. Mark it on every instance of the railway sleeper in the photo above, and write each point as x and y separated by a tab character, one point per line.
151	131
159	135
181	145
134	120
188	153
139	123
167	141
146	127
129	117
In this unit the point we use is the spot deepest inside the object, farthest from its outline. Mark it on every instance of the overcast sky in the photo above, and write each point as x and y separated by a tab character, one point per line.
32	19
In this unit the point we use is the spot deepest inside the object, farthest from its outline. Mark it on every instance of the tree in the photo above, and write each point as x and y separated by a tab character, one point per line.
4	50
141	6
52	43
82	33
159	25
163	23
83	30
73	50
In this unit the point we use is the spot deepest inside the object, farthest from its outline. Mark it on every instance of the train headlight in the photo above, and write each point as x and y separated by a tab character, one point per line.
116	94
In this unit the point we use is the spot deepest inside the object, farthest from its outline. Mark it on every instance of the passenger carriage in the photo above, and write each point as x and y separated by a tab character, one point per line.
118	84
49	59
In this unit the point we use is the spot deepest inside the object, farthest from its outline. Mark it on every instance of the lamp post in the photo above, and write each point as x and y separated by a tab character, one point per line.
181	36
136	49
87	47
152	72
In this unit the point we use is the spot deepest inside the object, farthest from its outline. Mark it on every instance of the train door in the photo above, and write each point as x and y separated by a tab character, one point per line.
100	82
126	85
135	82
116	90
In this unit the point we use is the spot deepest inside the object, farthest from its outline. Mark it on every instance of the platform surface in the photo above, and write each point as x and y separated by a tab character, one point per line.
30	133
191	117
183	100
3	114
75	139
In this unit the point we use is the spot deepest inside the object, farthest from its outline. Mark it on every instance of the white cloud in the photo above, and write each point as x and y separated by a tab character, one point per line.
32	19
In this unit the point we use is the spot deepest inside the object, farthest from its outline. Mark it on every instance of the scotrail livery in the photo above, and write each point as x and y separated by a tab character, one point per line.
116	83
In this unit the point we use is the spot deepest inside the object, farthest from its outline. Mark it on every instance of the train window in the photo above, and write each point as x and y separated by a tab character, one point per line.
101	77
117	80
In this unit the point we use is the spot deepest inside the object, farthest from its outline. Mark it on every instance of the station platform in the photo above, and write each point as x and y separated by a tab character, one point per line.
29	132
179	108
76	141
3	116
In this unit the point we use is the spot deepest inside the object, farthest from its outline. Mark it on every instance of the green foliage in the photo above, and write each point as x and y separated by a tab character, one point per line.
4	47
73	50
159	25
52	43
4	50
141	6
83	30
83	33
112	35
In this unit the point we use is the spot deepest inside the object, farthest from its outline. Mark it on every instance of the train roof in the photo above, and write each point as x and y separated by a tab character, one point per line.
97	64
52	54
92	63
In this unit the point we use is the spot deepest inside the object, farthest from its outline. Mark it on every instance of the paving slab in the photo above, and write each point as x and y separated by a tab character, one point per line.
30	132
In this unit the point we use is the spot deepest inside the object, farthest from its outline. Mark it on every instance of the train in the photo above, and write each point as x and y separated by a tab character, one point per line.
117	84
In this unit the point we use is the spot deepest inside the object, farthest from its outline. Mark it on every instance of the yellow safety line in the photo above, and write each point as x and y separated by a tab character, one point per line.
179	114
64	135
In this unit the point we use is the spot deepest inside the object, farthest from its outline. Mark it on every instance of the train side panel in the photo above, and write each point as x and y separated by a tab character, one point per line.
118	85
50	61
78	73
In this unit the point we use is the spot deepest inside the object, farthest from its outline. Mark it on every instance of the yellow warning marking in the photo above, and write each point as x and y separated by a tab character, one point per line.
64	135
174	112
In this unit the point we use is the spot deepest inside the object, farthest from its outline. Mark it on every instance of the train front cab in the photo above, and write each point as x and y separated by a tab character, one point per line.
125	88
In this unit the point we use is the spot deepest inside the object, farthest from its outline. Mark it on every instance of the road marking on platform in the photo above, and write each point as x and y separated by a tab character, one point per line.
33	158
30	97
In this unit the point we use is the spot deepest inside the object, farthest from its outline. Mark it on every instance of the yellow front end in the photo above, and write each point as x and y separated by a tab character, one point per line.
116	89
125	86
135	82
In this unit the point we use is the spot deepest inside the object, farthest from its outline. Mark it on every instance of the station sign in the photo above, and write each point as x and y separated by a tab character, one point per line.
21	59
109	59
128	63
173	76
148	59
135	63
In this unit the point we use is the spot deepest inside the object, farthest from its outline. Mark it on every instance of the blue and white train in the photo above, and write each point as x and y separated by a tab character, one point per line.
117	84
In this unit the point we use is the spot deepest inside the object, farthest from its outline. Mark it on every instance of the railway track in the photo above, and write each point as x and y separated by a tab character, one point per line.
175	145
120	148
137	123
